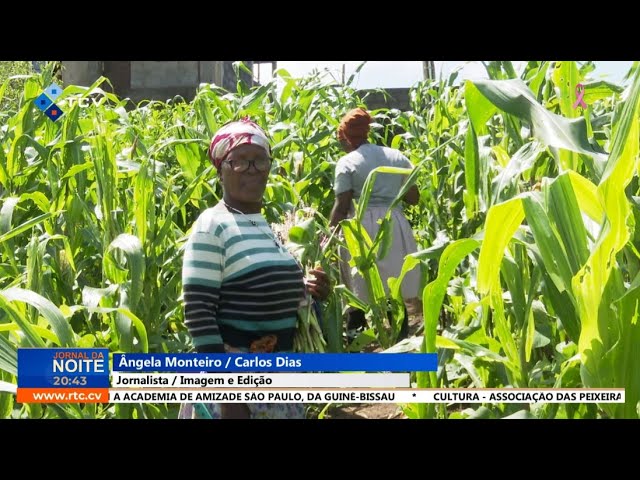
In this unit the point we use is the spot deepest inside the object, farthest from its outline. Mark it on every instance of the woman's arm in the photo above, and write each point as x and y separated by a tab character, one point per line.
201	280
341	208
412	197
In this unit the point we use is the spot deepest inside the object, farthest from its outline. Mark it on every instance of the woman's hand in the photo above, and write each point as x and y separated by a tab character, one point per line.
323	242
320	286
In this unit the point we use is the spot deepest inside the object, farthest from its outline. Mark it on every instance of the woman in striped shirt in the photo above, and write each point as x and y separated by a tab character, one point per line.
241	286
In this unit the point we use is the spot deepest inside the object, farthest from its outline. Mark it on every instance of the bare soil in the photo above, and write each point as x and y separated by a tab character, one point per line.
375	410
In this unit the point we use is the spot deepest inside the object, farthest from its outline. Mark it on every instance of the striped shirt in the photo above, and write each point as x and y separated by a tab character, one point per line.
238	286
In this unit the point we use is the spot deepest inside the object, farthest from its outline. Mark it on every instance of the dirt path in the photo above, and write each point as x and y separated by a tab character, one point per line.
374	410
366	411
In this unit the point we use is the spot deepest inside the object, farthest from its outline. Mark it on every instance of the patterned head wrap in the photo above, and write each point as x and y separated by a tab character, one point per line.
233	135
354	127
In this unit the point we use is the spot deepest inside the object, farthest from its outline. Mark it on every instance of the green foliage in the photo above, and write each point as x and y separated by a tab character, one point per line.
526	225
12	79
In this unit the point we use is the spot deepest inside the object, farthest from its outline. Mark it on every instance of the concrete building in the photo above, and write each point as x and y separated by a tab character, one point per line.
145	80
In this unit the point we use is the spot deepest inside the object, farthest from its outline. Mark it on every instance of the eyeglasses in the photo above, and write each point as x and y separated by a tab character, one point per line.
262	164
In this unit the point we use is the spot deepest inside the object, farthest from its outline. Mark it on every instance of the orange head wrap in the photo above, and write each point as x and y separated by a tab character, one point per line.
354	127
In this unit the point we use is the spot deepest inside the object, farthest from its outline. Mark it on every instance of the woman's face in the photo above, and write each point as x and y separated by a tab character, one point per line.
242	184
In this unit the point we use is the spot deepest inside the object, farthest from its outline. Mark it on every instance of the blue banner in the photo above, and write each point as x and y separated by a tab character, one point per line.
63	368
275	362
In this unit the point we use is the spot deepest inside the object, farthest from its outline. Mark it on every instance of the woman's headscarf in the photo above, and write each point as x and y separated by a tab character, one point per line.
354	127
233	135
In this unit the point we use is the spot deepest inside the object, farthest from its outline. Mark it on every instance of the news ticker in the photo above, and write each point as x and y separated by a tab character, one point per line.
320	395
73	375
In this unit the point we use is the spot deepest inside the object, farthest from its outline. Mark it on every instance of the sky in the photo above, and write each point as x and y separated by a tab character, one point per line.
388	74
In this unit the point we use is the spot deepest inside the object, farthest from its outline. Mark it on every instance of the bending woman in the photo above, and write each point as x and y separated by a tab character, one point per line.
350	174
